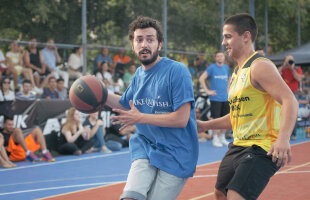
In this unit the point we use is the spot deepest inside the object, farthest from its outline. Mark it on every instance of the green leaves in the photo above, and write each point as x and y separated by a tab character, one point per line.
193	25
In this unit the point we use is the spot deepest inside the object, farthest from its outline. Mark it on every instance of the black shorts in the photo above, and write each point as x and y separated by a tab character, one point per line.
219	109
6	139
246	170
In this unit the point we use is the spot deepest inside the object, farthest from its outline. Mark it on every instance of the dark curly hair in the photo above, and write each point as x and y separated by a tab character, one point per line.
145	22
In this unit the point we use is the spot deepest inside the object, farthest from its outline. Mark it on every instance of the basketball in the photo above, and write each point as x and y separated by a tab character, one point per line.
88	94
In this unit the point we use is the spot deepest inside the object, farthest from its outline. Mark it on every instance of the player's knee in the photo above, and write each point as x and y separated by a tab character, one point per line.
219	195
17	131
37	131
233	195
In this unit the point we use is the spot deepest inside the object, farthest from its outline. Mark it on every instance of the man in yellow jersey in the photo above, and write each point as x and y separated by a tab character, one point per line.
263	112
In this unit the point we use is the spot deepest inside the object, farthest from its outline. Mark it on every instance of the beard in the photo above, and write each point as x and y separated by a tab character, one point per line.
153	58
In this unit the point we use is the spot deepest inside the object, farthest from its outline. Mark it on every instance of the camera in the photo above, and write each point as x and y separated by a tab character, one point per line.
291	62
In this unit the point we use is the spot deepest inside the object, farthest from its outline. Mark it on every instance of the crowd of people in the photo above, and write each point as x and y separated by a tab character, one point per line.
33	73
29	73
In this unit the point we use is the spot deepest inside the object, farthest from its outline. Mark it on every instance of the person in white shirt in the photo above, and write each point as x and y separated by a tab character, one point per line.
26	93
5	93
75	63
102	72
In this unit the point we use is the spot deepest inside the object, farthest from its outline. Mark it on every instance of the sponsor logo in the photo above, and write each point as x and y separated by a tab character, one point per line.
248	137
238	99
225	77
151	103
243	76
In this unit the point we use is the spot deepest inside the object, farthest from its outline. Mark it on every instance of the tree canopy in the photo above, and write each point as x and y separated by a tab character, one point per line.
192	25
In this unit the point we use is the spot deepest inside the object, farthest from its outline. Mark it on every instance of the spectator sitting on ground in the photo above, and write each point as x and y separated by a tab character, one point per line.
20	148
75	63
120	136
62	91
51	58
97	133
26	93
6	94
74	138
103	56
6	68
50	92
102	72
4	159
128	75
33	59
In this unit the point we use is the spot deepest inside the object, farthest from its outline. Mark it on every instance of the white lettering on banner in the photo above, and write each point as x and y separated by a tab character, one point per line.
52	124
19	121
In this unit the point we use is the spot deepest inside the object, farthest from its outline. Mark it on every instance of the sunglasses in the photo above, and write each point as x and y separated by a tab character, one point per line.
8	82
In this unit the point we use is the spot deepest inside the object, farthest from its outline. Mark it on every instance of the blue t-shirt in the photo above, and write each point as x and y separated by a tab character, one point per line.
49	57
48	93
99	59
218	76
164	89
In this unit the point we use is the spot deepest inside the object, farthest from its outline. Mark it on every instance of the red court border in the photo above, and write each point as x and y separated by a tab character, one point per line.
291	182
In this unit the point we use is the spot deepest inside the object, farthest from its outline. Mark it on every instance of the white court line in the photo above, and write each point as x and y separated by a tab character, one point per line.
211	169
96	156
205	164
64	179
283	172
293	172
64	161
59	187
103	183
204	176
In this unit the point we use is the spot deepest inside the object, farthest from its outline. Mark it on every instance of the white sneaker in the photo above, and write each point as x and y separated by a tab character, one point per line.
105	150
223	140
216	141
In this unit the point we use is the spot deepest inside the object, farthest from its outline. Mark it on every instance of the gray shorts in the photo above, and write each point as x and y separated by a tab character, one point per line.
148	182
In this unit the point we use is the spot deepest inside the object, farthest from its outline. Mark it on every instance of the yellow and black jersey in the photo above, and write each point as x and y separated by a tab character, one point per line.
255	116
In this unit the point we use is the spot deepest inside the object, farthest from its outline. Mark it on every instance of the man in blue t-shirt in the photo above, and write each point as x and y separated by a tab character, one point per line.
51	57
103	56
160	102
219	75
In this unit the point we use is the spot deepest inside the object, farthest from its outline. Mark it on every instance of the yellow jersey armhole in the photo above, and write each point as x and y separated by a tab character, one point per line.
250	83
